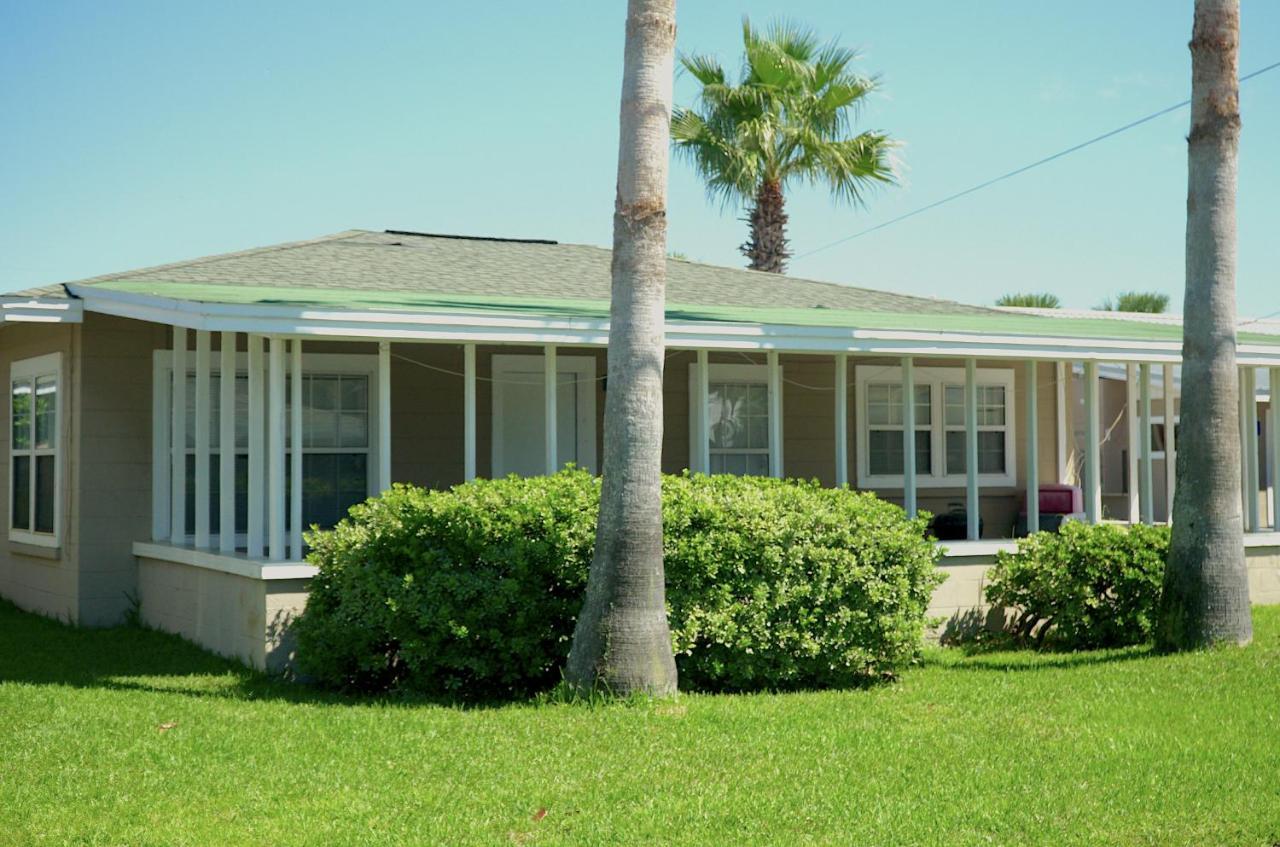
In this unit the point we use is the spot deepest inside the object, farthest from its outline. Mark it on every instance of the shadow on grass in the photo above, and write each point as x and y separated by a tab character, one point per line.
35	650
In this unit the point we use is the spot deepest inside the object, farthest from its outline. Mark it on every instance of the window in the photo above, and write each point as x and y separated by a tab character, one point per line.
519	417
1158	436
737	418
337	440
940	445
34	462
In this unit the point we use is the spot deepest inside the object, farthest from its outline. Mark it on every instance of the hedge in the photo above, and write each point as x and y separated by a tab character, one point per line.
473	592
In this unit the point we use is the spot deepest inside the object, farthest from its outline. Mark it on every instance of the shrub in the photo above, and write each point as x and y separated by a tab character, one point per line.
1084	587
473	592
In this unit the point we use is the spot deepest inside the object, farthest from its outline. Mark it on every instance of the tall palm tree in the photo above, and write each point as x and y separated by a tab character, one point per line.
788	118
1206	586
622	641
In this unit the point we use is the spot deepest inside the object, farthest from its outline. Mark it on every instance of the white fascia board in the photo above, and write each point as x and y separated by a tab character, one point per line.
514	328
53	310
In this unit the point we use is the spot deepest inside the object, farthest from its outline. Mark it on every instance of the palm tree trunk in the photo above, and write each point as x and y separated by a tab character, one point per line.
622	641
767	248
1206	586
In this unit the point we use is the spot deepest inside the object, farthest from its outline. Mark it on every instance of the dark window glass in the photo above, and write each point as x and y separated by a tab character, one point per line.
22	492
45	499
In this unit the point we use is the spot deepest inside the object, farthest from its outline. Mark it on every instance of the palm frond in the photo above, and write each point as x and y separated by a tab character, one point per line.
705	69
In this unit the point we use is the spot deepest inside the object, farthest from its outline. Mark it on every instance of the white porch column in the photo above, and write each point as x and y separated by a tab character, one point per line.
909	499
1033	447
973	503
775	414
1274	418
296	457
468	411
701	413
1131	424
227	443
550	386
275	448
1249	391
1061	382
178	440
257	434
202	484
384	416
1170	442
1092	477
842	419
1146	488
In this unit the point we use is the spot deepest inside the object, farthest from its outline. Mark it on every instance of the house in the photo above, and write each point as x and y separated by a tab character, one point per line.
362	358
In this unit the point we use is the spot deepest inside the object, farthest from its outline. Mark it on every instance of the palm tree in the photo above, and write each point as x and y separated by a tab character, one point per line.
1151	302
788	118
1206	587
1042	300
622	641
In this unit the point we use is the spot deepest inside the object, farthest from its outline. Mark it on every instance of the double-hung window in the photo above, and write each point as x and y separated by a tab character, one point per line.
34	444
737	418
940	433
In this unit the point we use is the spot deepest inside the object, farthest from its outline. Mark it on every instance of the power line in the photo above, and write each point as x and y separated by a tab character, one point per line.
1016	171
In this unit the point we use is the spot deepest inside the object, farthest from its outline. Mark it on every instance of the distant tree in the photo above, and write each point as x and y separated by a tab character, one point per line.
789	118
1151	302
1042	300
1205	599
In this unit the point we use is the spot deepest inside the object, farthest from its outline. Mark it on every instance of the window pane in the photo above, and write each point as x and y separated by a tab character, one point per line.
758	432
955	405
758	400
924	453
955	453
45	479
21	505
728	416
332	484
353	429
46	411
884	405
924	405
991	405
885	449
355	393
991	452
21	413
324	392
757	464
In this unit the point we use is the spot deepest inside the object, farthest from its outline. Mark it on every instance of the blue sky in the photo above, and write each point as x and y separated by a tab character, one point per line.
138	133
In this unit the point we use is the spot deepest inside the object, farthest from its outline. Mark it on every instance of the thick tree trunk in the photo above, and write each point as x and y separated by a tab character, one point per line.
1206	586
622	642
767	248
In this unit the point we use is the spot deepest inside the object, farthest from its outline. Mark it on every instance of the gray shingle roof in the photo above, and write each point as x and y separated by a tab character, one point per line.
359	260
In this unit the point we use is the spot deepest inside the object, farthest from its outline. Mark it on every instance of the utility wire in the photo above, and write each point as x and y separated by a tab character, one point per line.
1015	172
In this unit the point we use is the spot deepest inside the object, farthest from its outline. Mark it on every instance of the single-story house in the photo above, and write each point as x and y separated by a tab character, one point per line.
173	429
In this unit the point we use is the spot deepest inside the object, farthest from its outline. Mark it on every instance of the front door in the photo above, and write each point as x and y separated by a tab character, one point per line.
519	422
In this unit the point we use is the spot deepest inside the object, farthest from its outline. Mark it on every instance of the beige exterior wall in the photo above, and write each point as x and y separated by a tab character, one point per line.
234	616
42	579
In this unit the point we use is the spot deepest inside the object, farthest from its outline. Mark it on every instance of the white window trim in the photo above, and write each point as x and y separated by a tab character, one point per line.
1158	419
508	366
47	365
755	374
364	364
938	379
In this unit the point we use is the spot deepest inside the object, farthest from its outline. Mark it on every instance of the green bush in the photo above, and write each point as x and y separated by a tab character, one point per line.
1084	587
473	592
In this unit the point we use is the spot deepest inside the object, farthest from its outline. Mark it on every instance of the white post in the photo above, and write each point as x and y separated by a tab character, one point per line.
275	448
468	411
1274	416
1131	424
384	416
1170	442
550	387
297	457
701	413
775	414
202	484
842	419
178	440
973	503
227	443
1146	489
1249	389
1062	380
1033	448
257	433
909	500
1092	478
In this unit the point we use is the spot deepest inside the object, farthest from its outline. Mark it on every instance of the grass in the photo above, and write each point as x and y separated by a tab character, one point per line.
127	736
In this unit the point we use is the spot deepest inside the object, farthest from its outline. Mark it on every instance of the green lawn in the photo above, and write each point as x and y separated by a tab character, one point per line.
1012	748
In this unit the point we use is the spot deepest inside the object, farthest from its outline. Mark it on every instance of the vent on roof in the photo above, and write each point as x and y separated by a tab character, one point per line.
469	237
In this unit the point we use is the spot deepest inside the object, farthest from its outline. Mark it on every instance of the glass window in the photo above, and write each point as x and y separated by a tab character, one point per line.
738	425
33	446
886	416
